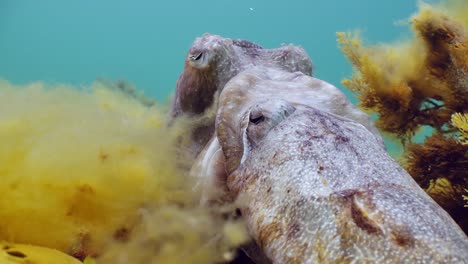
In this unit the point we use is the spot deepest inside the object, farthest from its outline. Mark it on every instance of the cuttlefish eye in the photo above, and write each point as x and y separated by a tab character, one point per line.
199	59
265	116
196	57
256	118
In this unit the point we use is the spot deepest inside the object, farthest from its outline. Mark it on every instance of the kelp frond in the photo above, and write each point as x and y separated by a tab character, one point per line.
415	83
439	166
415	87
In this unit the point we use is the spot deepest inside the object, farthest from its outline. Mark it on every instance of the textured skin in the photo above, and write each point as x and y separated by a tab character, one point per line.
317	188
315	185
211	62
246	89
222	59
259	84
314	180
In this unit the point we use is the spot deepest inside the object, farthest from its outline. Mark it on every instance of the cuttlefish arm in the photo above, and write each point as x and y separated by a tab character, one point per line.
211	177
210	172
319	188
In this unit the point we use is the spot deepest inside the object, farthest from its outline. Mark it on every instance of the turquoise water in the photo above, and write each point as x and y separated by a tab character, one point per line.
145	42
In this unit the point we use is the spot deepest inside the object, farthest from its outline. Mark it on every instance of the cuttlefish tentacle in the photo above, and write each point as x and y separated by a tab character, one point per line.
210	164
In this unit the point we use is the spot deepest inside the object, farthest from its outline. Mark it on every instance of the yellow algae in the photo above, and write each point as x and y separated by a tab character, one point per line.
28	254
414	83
84	171
460	121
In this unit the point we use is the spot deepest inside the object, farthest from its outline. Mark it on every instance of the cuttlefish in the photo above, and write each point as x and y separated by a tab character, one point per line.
211	62
313	180
264	83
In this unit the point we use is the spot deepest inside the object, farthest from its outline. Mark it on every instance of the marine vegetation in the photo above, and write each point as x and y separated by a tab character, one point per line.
24	254
419	88
93	173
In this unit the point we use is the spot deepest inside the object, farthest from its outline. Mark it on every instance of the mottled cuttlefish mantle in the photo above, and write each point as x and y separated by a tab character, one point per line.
315	182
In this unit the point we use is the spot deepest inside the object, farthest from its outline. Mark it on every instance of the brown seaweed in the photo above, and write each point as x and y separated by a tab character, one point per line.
415	87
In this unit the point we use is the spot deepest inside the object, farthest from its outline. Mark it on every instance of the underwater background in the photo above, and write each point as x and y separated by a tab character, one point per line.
102	155
145	42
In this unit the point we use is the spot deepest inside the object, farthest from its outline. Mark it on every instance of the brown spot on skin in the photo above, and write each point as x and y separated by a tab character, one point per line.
301	202
402	237
310	135
305	145
333	129
341	139
283	210
259	221
274	156
347	194
301	252
293	230
250	181
358	215
269	233
361	219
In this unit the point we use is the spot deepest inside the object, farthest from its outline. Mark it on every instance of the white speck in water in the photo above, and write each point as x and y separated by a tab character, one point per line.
251	8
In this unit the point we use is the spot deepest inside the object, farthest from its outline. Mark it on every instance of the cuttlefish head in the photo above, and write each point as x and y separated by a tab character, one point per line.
197	84
239	138
210	62
313	181
306	180
259	98
206	52
213	60
254	102
245	115
224	153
